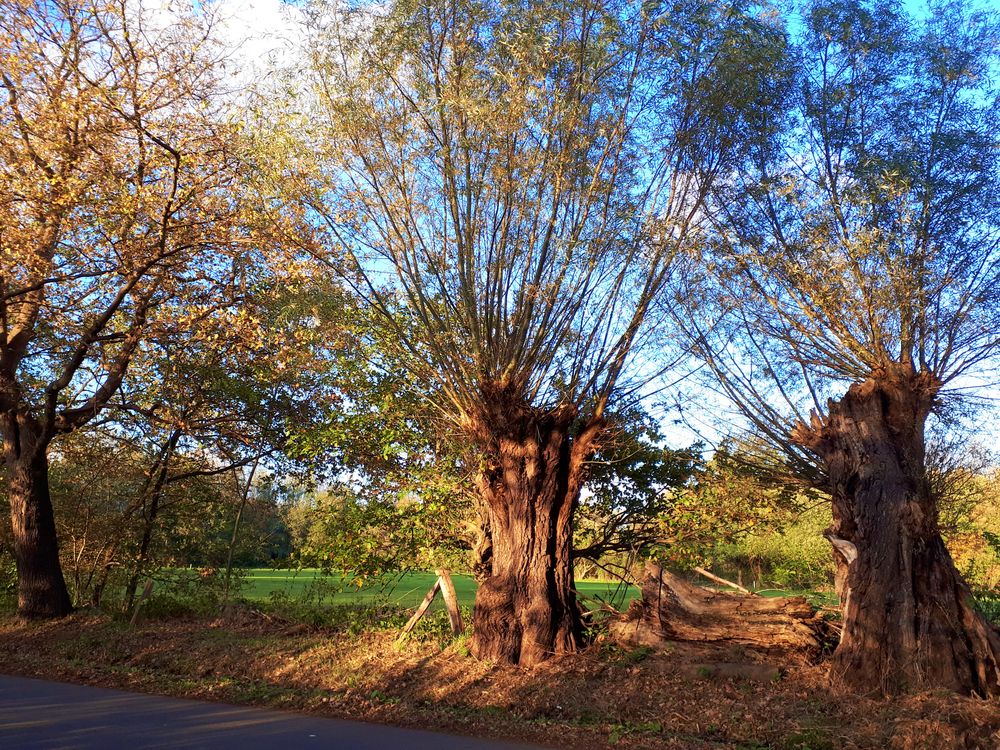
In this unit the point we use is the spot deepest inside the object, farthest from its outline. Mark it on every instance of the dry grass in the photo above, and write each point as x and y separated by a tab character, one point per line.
603	697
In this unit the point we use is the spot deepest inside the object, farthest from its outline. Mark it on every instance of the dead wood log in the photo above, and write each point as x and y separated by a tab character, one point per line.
672	609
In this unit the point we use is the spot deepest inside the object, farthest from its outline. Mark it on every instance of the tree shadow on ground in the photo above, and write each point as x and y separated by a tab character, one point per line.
606	695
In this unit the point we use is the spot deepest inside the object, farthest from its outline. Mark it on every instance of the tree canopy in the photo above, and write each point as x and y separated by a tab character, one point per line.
515	179
865	235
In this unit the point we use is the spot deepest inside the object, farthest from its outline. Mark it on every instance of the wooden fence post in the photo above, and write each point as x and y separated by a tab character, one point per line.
142	598
451	601
411	623
445	585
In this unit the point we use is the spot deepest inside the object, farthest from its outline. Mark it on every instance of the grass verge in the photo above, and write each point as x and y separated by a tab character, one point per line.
604	697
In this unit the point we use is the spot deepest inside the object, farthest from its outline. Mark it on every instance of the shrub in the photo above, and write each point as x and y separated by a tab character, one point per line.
186	593
796	556
8	579
988	602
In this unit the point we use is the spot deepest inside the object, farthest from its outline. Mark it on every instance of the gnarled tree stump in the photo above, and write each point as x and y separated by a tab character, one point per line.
672	609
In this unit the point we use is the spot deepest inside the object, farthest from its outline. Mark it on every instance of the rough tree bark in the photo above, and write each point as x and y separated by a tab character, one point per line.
672	609
41	588
908	618
533	469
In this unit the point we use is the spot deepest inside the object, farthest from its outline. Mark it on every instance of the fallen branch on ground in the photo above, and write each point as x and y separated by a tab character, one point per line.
672	609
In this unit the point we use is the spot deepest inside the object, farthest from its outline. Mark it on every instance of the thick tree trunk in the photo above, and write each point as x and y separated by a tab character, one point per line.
526	608
908	619
41	588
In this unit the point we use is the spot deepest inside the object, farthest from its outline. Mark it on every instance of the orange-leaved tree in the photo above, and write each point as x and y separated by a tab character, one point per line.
126	209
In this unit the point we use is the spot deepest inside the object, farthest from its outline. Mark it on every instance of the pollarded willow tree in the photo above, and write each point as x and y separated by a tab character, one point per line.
126	214
855	275
513	180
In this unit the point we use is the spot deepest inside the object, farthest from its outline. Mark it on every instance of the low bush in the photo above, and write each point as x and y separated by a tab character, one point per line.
318	607
8	580
988	602
794	557
185	593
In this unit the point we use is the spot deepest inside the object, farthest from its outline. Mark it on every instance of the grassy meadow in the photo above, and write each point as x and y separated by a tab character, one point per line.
403	590
407	590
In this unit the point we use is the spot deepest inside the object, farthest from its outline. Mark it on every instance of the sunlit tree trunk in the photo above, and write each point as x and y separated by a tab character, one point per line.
533	469
41	588
908	618
529	253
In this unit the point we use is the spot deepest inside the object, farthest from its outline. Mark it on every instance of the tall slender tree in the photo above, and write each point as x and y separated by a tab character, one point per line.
125	209
855	274
512	180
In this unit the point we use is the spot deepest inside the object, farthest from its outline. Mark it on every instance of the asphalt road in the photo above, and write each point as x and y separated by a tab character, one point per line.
51	715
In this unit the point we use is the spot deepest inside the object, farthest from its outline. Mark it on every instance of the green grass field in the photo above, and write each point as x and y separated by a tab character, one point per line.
408	589
405	590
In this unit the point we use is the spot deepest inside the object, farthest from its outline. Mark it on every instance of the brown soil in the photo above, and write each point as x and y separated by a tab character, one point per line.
685	697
